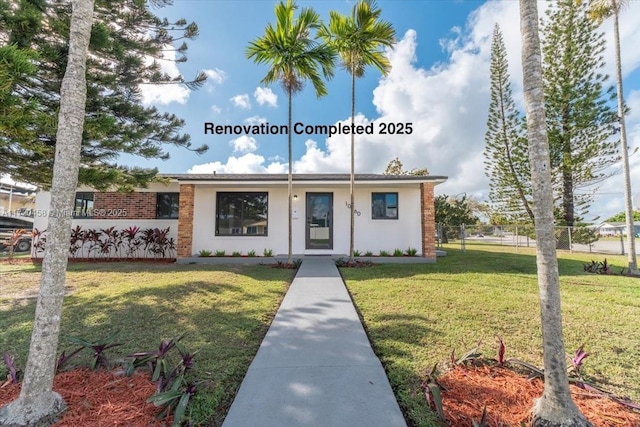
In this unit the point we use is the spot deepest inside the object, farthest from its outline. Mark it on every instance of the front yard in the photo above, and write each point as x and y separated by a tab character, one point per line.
224	312
417	314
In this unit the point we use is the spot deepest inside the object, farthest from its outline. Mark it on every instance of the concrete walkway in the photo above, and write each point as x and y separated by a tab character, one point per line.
315	366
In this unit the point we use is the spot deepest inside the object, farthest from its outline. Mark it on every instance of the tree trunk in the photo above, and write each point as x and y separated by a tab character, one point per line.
628	207
38	404
555	407
352	175
290	188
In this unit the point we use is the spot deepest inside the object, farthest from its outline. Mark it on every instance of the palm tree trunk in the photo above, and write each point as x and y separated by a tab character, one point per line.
352	177
290	188
38	403
555	407
631	244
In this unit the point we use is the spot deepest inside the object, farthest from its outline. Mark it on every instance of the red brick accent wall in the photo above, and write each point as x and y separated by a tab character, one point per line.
428	219
114	205
185	221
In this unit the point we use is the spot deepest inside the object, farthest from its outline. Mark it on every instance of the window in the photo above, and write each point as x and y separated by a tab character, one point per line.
167	205
384	205
241	214
83	206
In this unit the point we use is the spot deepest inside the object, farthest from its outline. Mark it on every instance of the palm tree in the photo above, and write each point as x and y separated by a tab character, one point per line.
294	57
599	11
38	403
359	41
555	407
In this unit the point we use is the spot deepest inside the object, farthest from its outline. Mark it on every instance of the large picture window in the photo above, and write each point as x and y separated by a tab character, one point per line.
241	214
167	205
384	205
83	206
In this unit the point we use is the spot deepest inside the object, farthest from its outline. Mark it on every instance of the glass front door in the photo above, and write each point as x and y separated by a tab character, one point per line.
319	221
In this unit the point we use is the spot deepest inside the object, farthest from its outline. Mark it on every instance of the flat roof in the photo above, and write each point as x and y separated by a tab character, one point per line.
303	177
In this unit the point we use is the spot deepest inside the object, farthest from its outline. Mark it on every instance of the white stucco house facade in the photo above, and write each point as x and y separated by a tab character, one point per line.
248	212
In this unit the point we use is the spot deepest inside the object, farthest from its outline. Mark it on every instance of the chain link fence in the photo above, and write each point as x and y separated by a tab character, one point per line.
579	239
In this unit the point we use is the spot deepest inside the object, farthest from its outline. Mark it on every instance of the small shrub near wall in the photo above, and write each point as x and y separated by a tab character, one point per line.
113	243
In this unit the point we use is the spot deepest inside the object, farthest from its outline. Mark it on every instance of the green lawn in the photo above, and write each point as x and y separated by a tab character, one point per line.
224	312
416	314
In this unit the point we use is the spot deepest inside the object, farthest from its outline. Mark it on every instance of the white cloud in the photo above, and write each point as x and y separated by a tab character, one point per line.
241	101
244	144
215	75
216	109
265	95
164	94
255	120
248	163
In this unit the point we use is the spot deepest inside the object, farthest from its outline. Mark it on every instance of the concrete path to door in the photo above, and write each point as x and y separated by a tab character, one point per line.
315	366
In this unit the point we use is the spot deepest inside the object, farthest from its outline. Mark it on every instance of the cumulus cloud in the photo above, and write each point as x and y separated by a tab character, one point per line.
244	144
247	163
215	75
265	95
255	120
215	109
166	93
241	101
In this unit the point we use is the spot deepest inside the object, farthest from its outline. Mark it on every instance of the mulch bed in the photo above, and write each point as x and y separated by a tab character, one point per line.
509	399
100	399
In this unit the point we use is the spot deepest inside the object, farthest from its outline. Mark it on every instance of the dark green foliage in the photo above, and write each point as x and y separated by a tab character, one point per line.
99	359
236	254
342	263
506	152
204	253
398	252
580	117
132	242
598	267
411	251
126	43
621	217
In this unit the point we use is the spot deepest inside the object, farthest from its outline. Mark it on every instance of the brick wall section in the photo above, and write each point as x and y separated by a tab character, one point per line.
428	215
114	205
185	221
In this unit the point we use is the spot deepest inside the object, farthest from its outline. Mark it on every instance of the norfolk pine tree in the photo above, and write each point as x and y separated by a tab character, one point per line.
555	408
506	151
38	404
127	45
580	119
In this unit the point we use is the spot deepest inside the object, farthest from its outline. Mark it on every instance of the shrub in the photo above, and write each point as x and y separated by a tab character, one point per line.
220	253
368	253
384	253
267	252
251	253
236	254
356	252
411	251
398	252
204	253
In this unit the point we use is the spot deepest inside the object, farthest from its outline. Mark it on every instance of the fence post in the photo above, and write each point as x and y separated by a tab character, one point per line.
570	242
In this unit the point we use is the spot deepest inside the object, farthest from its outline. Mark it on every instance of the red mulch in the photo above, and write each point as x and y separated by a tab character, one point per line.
509	399
100	399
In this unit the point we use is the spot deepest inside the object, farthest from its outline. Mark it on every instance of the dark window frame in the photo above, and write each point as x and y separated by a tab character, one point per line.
386	206
220	194
84	211
170	216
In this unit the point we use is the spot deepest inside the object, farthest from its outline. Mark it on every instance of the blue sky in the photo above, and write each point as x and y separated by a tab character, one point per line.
439	83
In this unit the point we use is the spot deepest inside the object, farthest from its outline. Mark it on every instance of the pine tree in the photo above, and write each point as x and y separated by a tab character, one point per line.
506	152
127	43
395	167
580	119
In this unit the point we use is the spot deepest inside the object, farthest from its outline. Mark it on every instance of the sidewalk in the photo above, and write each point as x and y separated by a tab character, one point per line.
315	366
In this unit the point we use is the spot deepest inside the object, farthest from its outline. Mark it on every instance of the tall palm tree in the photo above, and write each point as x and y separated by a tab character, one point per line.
555	407
599	11
359	40
38	404
294	57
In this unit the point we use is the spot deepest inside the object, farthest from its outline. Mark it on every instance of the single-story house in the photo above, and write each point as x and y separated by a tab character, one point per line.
617	228
248	212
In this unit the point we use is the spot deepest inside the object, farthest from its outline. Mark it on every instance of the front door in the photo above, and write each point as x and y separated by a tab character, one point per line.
319	221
